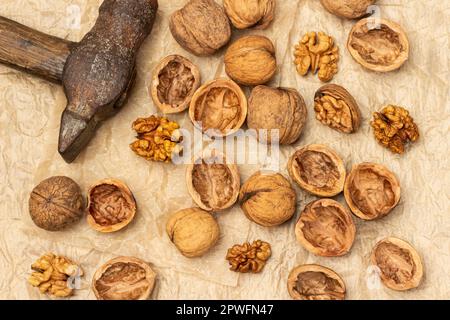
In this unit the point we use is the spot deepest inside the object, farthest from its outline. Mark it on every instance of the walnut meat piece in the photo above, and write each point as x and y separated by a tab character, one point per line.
335	107
250	13
124	278
193	231
314	282
158	139
201	27
378	45
56	203
175	80
111	206
371	191
281	109
400	264
212	183
318	170
394	128
317	52
249	257
218	108
268	199
325	228
350	9
251	60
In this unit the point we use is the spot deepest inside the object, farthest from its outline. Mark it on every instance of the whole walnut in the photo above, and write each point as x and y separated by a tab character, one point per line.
201	27
250	13
193	231
268	199
350	9
251	60
56	203
281	109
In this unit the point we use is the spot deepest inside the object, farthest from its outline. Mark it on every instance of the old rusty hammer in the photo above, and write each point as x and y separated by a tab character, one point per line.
97	73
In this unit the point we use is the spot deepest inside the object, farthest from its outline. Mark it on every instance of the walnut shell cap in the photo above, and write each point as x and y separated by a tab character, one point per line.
371	191
382	50
124	278
325	228
399	263
349	9
318	170
111	206
218	108
174	82
315	282
212	183
250	13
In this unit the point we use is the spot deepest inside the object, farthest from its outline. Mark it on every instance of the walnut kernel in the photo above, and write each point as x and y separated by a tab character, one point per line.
350	9
250	13
249	257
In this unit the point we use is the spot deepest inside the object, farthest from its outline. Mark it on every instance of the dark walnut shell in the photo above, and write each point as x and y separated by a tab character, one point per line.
218	108
175	80
111	206
193	231
251	60
371	191
314	282
56	203
335	107
325	228
250	13
378	45
318	170
268	199
281	109
212	183
350	9
124	278
201	27
399	263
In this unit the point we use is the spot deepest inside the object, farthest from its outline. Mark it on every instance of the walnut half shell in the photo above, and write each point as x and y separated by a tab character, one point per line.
325	228
314	282
371	191
124	278
378	44
400	264
318	170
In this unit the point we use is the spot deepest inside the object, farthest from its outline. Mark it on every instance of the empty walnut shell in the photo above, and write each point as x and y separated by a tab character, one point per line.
350	9
400	264
250	13
318	170
314	282
325	228
111	206
193	231
268	199
379	45
56	203
124	278
201	27
218	108
175	80
281	109
371	191
251	60
212	183
336	108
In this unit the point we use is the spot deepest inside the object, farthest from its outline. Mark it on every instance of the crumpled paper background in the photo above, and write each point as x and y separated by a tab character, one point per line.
30	111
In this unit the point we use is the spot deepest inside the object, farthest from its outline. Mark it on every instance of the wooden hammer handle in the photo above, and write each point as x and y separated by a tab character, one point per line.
33	51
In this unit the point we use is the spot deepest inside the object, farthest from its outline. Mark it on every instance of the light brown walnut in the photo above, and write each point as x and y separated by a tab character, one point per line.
325	228
314	282
318	170
111	206
249	257
124	278
174	82
250	13
399	263
218	108
350	9
378	44
371	191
